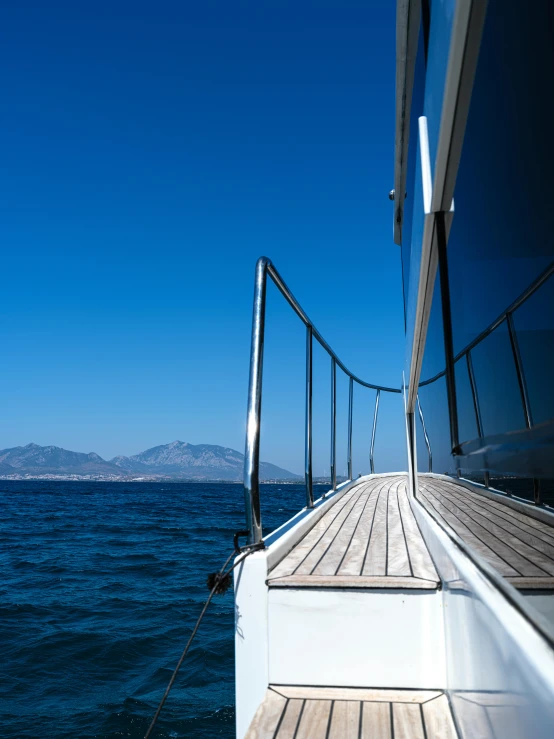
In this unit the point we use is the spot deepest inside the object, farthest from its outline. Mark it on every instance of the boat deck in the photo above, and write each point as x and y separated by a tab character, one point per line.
295	712
519	546
368	539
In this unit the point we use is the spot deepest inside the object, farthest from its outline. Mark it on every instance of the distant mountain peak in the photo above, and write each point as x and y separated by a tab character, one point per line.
177	460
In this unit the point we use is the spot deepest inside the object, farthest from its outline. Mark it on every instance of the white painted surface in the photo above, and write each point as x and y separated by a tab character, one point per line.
492	648
251	638
337	637
251	606
426	180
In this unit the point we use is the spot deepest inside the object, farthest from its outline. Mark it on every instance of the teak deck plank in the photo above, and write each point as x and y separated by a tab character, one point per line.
376	557
376	721
516	550
314	720
354	557
545	530
331	560
438	718
398	562
352	581
290	719
441	514
345	720
407	721
288	565
422	564
368	539
267	716
519	546
312	559
524	541
367	695
352	713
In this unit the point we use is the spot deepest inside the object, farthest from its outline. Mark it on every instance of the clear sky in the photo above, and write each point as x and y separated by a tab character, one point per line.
150	153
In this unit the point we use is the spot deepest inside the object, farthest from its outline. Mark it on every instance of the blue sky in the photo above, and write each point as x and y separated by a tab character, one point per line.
151	152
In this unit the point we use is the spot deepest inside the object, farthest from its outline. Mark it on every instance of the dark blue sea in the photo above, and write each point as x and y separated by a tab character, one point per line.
101	584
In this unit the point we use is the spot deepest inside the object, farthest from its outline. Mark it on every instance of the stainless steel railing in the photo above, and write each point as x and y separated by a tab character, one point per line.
264	267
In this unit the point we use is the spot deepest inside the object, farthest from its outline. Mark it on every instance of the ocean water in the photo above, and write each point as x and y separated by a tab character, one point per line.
100	586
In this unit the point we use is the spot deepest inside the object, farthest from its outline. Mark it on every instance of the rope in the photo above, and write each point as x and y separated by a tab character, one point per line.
221	582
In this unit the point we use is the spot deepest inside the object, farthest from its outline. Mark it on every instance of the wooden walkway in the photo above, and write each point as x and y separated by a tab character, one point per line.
368	539
293	712
517	545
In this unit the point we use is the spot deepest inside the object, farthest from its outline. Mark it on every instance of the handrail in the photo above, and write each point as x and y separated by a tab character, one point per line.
265	267
373	430
297	308
425	435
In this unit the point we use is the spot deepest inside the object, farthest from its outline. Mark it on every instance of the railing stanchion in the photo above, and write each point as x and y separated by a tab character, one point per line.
425	435
265	268
333	423
519	370
476	407
525	402
373	430
350	412
253	415
308	437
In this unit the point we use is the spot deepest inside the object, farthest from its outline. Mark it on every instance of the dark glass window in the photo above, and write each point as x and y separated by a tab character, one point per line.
534	324
497	385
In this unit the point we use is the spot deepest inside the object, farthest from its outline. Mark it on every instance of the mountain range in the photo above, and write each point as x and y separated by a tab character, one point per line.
178	460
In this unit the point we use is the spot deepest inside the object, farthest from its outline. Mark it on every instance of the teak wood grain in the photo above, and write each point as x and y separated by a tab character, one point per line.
518	546
296	712
369	539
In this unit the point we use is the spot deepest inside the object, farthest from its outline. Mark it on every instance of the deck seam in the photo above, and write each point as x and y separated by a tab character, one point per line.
335	536
329	720
299	719
497	538
282	716
371	529
422	717
499	504
355	529
345	503
531	546
358	523
420	531
404	532
446	523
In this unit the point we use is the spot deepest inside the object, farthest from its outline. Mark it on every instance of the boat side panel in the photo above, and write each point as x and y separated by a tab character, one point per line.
251	638
380	638
500	669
